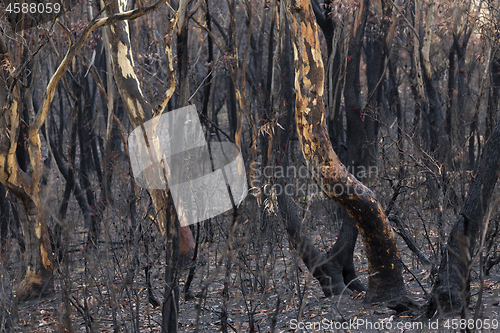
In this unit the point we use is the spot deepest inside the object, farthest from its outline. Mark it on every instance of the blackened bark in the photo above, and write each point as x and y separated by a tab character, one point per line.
472	141
86	135
22	140
170	307
327	25
451	99
354	113
446	294
232	49
335	270
63	168
192	266
340	256
147	270
494	94
336	118
434	141
112	150
355	125
231	107
70	180
183	58
5	221
375	65
385	279
376	52
433	118
322	12
357	154
267	110
419	132
70	184
395	103
461	50
210	59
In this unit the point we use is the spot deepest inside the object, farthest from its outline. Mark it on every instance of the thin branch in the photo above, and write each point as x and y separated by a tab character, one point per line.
73	50
424	259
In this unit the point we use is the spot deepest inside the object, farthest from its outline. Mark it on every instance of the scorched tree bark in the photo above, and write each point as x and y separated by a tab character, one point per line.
385	280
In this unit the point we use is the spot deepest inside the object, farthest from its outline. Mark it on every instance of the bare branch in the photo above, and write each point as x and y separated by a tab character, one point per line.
73	50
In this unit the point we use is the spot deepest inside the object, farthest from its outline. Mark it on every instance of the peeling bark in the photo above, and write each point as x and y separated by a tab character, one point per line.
335	270
25	185
138	109
338	264
179	241
385	280
494	94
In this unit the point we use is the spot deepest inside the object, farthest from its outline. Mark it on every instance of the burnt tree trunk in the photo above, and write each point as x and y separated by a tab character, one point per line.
395	103
462	93
494	94
38	255
183	55
334	81
24	182
385	280
376	50
433	119
335	270
139	111
338	265
5	221
356	133
447	291
352	89
450	110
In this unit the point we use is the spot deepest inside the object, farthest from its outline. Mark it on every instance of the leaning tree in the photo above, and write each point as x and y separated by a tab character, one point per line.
385	279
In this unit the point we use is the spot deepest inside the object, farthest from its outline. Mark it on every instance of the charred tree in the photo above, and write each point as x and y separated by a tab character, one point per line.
385	280
338	266
334	82
460	49
25	185
23	180
335	270
447	291
450	110
180	242
494	94
376	51
354	113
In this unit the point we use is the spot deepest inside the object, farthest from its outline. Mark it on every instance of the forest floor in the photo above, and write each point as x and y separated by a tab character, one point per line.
265	273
